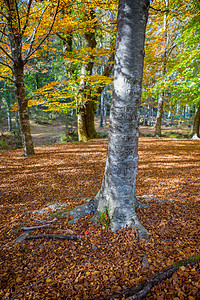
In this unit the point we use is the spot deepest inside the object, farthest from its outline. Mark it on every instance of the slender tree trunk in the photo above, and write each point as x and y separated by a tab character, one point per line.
163	72
144	118
101	115
90	126
9	119
27	142
168	118
105	110
117	192
81	122
7	104
196	124
159	116
16	120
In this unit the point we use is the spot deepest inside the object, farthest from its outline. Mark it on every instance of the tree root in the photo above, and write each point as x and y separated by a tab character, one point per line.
25	236
83	210
53	236
36	227
141	290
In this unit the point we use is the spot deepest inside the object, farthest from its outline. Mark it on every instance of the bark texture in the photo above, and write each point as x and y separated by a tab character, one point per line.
196	124
117	193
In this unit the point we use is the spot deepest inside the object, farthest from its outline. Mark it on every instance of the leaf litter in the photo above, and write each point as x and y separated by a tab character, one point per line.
41	189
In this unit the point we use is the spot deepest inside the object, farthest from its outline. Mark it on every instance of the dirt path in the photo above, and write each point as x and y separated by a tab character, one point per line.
46	134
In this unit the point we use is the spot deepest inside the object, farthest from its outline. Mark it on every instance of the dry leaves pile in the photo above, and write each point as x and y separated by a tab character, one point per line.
35	191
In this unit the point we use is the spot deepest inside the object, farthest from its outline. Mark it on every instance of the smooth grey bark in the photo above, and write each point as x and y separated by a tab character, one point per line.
117	192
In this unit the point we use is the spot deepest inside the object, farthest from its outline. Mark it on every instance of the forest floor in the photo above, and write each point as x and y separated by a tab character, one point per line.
41	189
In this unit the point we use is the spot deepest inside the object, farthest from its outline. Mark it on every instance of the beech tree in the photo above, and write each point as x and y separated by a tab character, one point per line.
22	34
82	34
116	196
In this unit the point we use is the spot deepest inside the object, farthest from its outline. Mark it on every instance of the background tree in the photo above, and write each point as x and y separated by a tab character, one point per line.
22	34
82	33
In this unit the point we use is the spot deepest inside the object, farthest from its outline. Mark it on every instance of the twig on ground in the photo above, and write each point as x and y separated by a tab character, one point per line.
36	227
44	221
28	287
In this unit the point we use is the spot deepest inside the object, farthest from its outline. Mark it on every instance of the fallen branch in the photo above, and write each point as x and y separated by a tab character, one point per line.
141	290
28	287
36	227
44	221
53	236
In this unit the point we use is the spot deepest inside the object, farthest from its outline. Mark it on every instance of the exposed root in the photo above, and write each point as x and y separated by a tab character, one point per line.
82	210
52	236
141	290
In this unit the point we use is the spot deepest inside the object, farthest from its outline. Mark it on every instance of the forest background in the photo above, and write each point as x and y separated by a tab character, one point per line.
68	53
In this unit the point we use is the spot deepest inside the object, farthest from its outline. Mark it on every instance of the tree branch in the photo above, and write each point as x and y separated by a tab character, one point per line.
7	78
8	55
18	18
6	65
3	33
42	41
159	10
1	13
27	17
34	33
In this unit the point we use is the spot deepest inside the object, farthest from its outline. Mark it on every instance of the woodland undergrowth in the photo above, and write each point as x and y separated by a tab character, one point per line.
40	190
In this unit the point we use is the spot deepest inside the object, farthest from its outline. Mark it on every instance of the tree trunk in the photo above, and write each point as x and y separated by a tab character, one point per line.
27	142
101	115
196	124
159	116
105	110
90	126
16	120
144	118
168	118
117	193
7	104
163	72
85	105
